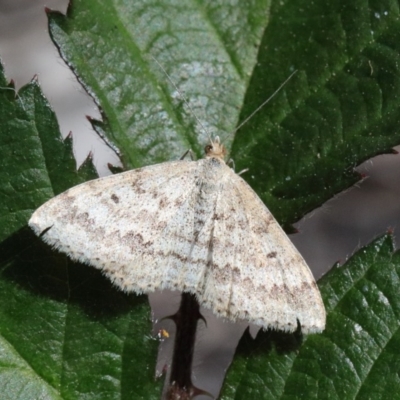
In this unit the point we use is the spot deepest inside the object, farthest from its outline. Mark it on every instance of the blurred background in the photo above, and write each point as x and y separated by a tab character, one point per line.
327	235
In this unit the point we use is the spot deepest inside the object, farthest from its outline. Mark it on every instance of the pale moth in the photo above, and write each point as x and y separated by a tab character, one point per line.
193	226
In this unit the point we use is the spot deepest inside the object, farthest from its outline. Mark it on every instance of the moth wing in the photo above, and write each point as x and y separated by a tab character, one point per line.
137	226
255	272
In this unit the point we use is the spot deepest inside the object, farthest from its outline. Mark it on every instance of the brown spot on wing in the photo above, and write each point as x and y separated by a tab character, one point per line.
115	198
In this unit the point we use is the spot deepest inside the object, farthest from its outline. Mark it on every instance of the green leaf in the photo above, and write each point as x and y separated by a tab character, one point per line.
357	355
339	109
29	172
208	49
64	331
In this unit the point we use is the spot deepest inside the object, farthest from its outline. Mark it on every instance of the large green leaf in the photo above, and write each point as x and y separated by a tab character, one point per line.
355	358
340	108
64	331
208	49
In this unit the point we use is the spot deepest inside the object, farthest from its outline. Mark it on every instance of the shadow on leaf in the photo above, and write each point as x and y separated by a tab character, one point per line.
266	341
33	265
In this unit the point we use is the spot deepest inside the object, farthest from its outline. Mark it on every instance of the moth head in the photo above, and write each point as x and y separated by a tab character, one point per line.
215	149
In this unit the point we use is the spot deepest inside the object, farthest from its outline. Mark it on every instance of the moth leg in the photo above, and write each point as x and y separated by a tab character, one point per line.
243	171
231	162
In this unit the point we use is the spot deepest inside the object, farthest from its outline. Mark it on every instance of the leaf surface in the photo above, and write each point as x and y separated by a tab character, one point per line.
64	332
357	355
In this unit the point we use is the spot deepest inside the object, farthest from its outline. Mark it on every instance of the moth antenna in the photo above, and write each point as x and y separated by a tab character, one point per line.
265	102
183	97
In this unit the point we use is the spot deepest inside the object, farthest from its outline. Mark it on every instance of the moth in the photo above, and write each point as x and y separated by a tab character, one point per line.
192	226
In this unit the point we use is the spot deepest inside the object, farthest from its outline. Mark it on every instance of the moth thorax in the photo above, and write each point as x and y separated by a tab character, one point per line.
215	149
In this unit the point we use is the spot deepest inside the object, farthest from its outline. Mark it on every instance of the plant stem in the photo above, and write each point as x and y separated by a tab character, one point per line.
181	386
